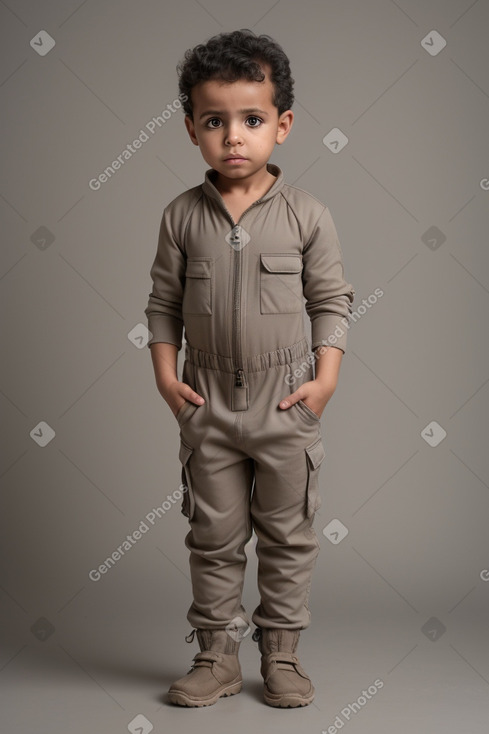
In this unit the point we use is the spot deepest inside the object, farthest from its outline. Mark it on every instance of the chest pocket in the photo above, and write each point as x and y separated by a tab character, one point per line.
280	283
198	291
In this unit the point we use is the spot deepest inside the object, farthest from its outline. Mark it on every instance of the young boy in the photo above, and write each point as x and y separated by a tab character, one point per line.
236	257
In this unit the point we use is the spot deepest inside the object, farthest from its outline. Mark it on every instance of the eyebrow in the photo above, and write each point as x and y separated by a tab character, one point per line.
247	111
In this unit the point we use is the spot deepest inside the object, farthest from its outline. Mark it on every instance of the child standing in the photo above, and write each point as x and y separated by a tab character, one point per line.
238	259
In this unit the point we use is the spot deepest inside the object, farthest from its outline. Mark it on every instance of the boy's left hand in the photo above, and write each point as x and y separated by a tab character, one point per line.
314	394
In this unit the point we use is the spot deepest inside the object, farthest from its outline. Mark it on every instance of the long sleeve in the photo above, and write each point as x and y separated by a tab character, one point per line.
328	295
164	309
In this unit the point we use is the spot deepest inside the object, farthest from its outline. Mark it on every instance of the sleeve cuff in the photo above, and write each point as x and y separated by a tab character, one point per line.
329	330
165	329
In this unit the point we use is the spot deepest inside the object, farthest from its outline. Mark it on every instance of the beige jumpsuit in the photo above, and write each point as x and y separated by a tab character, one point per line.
242	291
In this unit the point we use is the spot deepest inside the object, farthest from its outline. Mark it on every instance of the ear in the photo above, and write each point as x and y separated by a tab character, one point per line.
284	125
191	129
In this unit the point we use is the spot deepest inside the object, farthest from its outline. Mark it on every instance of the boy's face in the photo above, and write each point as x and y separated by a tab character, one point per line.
237	118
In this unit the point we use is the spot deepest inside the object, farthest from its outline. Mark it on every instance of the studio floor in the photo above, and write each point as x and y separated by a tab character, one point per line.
372	676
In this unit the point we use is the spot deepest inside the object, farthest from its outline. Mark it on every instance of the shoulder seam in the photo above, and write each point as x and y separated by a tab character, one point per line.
292	208
196	193
308	193
198	196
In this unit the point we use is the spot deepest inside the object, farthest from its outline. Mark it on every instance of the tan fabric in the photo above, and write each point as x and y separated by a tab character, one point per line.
258	468
239	288
242	292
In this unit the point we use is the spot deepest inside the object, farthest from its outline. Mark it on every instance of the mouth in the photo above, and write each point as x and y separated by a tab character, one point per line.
235	158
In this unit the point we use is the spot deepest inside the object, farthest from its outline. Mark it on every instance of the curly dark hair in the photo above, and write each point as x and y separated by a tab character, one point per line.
232	56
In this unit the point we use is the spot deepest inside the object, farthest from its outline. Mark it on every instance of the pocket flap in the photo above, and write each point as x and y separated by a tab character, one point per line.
316	453
184	453
198	269
282	263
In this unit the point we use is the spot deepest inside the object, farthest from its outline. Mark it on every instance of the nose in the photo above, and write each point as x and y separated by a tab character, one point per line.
233	135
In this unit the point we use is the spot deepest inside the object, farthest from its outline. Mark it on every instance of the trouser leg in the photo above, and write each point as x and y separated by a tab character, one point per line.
220	529
287	546
287	449
219	476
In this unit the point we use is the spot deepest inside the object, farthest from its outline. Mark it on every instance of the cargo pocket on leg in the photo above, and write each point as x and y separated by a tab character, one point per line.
188	501
315	454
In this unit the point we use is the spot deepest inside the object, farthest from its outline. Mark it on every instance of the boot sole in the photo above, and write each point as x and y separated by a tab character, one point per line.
287	701
181	699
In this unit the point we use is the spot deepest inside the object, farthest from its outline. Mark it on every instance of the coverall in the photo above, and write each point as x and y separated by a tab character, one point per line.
242	290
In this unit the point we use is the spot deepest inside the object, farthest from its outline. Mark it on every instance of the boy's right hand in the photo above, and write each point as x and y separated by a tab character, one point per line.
176	393
164	357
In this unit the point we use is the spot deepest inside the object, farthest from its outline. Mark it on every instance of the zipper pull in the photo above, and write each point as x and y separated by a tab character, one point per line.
239	378
234	237
191	636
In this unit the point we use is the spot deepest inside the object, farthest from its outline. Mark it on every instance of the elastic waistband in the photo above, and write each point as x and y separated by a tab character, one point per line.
255	363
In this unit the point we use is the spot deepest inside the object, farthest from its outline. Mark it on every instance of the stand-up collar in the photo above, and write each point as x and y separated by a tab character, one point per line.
209	188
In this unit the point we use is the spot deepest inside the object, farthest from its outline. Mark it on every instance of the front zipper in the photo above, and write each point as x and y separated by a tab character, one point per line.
236	341
237	270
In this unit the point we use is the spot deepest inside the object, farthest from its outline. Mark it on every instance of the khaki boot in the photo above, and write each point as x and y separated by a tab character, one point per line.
286	683
215	671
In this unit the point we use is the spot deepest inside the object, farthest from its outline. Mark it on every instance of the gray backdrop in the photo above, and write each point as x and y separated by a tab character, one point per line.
400	603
